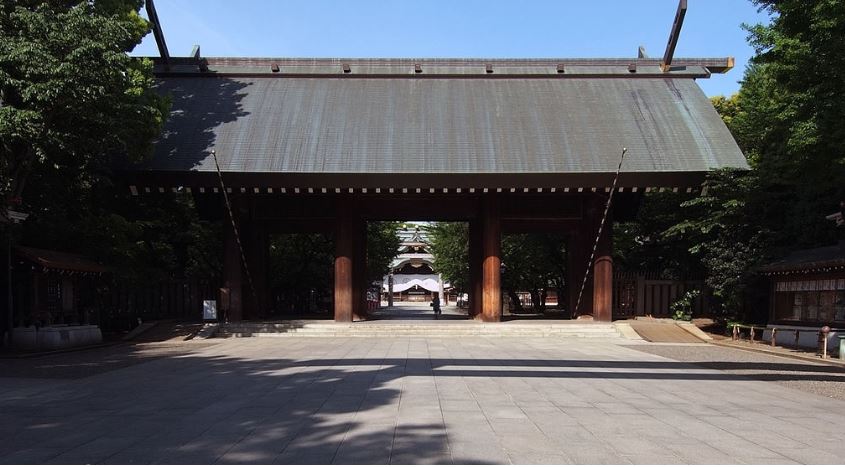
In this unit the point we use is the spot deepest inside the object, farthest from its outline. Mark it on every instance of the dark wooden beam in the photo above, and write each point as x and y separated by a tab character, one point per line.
158	32
666	63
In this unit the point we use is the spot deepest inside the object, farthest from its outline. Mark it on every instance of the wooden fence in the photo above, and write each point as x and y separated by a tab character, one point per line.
121	305
646	294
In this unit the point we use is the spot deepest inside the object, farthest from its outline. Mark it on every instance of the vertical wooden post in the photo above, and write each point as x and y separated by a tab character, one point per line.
603	275
343	273
475	268
491	304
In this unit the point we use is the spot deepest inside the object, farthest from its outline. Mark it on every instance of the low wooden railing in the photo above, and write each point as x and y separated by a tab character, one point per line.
821	334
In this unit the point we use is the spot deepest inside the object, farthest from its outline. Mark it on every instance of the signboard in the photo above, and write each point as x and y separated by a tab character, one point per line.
209	310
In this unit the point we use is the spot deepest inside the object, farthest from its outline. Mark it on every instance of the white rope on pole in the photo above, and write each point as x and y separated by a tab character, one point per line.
235	228
598	235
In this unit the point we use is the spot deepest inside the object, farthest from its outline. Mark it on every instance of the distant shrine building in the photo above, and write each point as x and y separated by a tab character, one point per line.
509	146
412	277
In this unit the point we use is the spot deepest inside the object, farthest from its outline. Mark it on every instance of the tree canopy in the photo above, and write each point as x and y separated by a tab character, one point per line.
787	118
74	106
72	99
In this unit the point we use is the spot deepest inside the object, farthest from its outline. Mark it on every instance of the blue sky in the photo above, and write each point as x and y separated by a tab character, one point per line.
458	28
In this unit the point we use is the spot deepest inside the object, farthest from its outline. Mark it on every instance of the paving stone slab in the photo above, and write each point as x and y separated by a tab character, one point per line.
420	400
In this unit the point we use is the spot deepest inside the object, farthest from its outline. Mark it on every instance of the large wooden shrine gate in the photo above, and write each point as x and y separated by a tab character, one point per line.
326	145
489	216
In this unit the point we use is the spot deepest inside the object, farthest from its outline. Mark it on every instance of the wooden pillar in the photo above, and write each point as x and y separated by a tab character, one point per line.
491	283
603	275
344	242
475	268
232	273
579	248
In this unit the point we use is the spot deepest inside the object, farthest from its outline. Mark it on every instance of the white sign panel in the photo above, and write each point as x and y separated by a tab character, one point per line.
209	309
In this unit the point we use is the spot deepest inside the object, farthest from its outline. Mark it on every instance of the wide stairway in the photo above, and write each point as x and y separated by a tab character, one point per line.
410	328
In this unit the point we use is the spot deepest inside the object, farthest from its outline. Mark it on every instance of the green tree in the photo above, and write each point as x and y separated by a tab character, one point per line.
792	105
787	118
301	264
534	262
72	99
450	248
641	244
725	234
382	246
73	107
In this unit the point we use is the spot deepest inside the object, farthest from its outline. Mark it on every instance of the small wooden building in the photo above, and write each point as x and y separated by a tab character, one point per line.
53	287
808	288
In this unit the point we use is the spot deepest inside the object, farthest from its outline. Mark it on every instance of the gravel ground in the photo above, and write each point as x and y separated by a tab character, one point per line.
821	379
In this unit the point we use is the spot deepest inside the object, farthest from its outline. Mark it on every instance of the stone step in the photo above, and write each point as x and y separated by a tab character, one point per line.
477	330
423	329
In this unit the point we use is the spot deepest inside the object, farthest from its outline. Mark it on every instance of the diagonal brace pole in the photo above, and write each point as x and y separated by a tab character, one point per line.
598	235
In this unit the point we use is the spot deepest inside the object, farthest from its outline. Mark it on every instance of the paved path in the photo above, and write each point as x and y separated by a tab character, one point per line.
418	311
415	400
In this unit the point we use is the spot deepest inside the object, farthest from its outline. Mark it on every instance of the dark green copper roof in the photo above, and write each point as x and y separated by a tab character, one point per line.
454	118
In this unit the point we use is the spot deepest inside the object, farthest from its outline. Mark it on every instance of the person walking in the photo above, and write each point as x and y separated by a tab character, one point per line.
436	305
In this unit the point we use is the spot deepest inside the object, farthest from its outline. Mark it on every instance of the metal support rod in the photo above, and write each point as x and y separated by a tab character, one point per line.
601	227
235	229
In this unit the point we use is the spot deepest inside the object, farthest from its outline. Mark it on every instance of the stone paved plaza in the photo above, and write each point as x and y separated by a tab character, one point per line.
414	400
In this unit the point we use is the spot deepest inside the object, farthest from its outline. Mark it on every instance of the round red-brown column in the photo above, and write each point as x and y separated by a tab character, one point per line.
603	275
344	243
491	244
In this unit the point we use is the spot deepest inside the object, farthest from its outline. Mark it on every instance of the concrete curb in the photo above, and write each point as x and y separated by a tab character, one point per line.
628	332
695	331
